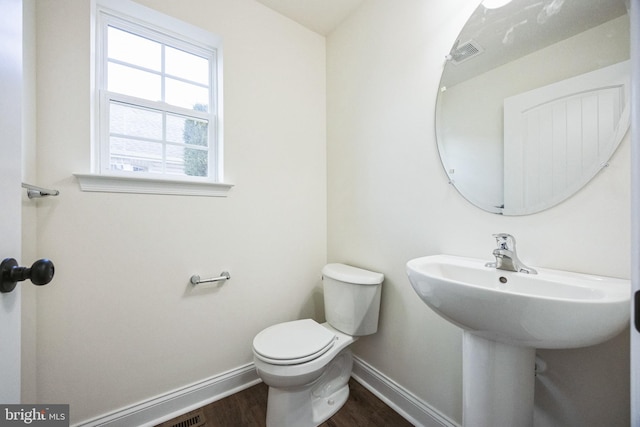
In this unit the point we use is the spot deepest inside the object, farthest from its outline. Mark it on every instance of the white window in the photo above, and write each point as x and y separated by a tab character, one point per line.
158	121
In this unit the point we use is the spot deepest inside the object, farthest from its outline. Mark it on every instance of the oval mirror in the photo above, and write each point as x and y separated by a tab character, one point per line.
533	101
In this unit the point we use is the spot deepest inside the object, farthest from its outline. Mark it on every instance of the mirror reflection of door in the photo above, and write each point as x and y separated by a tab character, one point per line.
559	136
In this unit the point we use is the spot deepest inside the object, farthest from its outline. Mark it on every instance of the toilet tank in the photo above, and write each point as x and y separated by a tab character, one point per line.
351	298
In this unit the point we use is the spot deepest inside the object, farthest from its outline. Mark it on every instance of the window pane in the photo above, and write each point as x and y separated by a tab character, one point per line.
187	130
130	81
196	162
187	66
175	160
186	95
131	121
175	154
134	155
187	161
134	49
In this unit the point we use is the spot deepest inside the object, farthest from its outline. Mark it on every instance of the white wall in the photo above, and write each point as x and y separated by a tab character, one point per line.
389	201
120	323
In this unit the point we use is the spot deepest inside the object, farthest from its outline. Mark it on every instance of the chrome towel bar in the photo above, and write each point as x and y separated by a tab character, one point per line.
195	279
34	192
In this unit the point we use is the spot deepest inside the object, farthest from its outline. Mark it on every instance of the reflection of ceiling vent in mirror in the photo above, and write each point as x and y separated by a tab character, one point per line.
465	51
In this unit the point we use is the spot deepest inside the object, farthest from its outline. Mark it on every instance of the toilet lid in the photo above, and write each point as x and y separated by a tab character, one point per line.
293	342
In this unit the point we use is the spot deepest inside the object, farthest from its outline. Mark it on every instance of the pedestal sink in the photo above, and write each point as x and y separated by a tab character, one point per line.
506	316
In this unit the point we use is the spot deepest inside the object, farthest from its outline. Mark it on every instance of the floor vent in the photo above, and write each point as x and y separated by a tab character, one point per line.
191	419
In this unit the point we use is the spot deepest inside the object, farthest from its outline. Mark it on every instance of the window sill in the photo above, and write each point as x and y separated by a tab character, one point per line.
127	184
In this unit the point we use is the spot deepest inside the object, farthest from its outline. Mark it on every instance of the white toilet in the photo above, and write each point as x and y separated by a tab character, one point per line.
307	365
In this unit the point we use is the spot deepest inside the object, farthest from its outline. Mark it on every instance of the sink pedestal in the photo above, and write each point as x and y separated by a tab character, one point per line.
494	307
498	383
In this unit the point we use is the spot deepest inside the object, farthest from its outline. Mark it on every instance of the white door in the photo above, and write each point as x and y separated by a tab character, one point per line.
635	213
10	191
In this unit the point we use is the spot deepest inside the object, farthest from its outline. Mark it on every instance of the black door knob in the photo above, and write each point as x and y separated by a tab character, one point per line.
40	273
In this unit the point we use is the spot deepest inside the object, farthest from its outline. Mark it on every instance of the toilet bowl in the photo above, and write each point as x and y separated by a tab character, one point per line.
307	365
305	393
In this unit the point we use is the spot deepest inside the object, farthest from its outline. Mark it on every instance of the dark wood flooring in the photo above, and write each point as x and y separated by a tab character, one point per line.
249	408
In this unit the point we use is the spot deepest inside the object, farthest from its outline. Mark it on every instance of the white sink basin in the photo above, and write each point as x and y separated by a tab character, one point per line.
551	309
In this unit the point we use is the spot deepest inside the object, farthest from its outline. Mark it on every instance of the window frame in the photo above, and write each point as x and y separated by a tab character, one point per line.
140	20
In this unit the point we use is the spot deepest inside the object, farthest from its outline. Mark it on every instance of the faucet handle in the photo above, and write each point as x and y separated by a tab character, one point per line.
505	241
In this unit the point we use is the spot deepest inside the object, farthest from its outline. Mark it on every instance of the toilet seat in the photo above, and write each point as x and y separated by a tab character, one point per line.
291	343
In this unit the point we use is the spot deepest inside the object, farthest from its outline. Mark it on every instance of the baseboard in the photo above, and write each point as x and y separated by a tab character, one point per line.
175	403
416	411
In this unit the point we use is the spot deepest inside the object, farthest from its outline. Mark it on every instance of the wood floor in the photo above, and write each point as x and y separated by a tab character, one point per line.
249	408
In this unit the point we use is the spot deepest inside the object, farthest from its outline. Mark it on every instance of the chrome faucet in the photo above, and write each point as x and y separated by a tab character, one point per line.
506	256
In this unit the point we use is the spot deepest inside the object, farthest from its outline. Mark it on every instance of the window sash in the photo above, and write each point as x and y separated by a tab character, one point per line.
109	98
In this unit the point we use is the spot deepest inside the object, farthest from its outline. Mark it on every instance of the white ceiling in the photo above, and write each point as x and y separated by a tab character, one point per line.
321	16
